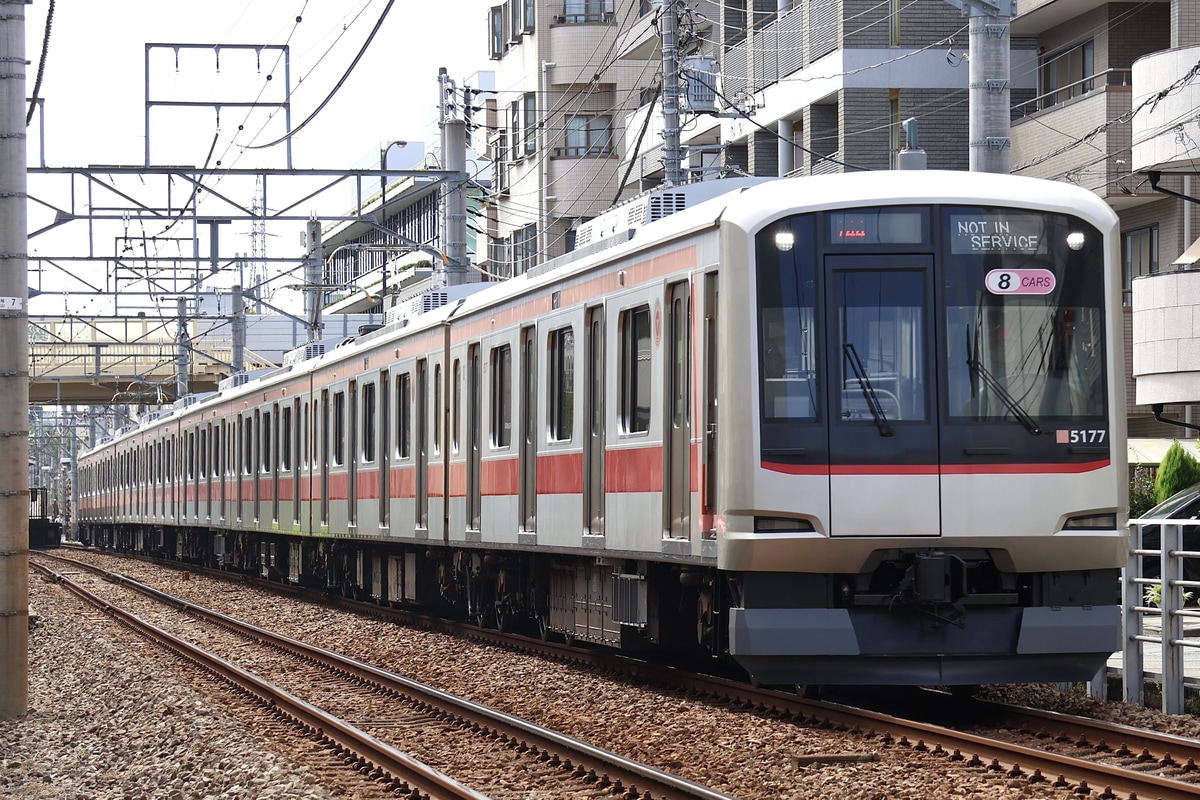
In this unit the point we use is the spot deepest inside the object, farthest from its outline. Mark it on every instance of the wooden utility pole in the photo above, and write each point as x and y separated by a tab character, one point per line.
14	368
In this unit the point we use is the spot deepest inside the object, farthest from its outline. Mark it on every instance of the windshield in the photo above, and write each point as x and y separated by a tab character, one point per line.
1025	325
1181	505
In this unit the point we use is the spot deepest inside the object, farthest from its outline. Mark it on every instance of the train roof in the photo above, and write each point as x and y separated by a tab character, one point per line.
663	215
902	187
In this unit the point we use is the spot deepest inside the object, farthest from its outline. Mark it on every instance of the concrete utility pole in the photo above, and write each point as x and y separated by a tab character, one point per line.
183	352
454	238
14	369
672	153
238	327
990	114
314	280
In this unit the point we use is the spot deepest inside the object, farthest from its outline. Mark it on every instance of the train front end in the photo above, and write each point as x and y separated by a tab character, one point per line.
936	487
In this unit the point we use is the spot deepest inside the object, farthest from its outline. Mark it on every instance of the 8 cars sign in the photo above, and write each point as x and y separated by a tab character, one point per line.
1020	281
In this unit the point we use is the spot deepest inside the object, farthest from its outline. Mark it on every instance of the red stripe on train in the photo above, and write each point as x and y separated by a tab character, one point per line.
934	469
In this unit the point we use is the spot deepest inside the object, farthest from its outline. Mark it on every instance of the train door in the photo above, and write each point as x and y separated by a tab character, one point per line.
257	457
422	440
325	457
351	459
474	438
711	354
385	452
883	437
207	466
527	452
273	460
297	449
236	462
222	460
593	441
678	434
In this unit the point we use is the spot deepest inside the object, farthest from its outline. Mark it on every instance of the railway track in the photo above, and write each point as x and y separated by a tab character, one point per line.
381	715
1073	755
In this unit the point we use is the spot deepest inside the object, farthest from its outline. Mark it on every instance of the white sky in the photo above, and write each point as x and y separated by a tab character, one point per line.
94	89
94	84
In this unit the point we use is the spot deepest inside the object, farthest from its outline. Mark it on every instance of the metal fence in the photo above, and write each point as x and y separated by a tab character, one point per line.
1156	614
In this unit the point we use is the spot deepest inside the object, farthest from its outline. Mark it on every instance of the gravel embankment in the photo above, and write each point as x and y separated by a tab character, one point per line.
108	691
109	718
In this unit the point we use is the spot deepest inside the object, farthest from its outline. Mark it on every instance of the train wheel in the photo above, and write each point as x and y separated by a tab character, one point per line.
504	618
808	691
543	627
484	617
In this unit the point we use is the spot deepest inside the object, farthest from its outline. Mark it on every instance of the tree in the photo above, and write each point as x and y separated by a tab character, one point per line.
1177	471
1141	492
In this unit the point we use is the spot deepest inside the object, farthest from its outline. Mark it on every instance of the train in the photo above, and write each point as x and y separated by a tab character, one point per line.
45	530
853	429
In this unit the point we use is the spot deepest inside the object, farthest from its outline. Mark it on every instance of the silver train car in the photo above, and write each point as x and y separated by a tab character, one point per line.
851	429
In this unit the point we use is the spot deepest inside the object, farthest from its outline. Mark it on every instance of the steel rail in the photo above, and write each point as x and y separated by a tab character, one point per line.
387	764
621	775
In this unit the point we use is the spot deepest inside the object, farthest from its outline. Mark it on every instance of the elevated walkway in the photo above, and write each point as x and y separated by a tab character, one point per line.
77	361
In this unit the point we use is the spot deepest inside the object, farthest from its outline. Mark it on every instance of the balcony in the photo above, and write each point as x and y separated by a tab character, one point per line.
1164	81
1066	133
1166	337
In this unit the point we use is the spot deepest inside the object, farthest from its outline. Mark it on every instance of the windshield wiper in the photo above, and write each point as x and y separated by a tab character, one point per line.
864	384
1017	411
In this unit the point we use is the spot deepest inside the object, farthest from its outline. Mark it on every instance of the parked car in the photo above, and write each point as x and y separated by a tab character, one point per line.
1182	505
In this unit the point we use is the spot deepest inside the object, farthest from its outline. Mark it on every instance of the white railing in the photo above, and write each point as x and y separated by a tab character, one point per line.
1161	623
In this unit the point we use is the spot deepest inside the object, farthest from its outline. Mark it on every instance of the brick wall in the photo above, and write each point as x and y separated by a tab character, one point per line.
865	124
1134	29
764	154
942	121
1185	23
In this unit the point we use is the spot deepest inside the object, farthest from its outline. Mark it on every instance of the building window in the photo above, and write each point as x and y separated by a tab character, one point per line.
588	136
502	396
579	11
500	257
634	399
1140	247
515	116
529	103
524	249
530	5
515	20
561	385
496	31
1067	74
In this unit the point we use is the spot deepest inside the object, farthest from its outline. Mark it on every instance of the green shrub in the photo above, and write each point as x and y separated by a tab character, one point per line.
1141	492
1177	471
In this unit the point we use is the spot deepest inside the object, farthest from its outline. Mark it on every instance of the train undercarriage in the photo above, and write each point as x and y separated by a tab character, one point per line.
629	604
921	617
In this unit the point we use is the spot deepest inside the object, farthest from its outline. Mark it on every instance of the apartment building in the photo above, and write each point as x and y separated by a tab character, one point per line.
807	87
555	121
782	87
1116	103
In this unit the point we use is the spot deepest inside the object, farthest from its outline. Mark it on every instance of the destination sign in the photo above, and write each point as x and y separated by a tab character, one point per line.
1011	233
